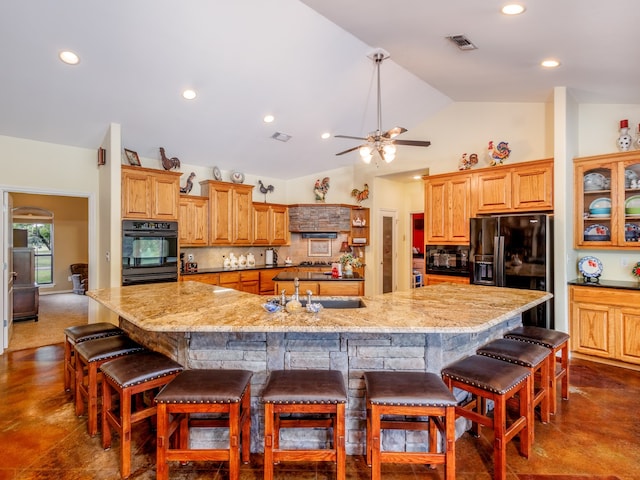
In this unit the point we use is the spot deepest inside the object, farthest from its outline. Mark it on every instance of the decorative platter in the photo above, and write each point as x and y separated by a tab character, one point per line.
590	267
237	177
629	176
217	175
593	181
597	233
631	232
632	205
600	206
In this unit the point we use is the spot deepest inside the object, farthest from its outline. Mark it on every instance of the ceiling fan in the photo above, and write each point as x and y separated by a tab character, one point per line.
382	142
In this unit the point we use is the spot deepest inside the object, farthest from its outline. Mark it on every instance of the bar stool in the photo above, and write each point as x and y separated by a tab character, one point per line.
558	343
489	379
130	377
410	394
304	394
221	392
79	334
90	355
536	359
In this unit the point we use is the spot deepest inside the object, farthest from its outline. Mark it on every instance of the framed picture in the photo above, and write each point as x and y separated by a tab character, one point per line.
102	156
132	157
319	247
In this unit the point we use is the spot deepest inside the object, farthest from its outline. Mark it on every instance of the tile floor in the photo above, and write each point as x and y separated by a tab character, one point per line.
595	435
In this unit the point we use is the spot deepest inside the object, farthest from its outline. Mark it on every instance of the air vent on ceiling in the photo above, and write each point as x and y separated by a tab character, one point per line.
462	42
283	137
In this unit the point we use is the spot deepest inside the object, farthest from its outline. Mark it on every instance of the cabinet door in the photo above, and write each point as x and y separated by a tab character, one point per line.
136	195
493	192
460	211
628	335
230	280
532	188
591	329
342	288
194	221
280	225
595	186
220	205
261	221
628	203
267	284
165	197
447	209
208	278
242	211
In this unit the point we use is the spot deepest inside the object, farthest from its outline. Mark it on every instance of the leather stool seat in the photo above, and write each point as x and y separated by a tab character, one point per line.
225	393
416	395
486	378
304	394
130	377
533	357
90	355
558	343
78	334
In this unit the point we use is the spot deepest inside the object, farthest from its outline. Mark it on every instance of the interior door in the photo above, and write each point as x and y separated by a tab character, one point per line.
388	222
7	272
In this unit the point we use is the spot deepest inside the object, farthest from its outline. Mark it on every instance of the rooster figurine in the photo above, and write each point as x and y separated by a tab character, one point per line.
360	194
498	154
264	190
321	189
169	163
187	188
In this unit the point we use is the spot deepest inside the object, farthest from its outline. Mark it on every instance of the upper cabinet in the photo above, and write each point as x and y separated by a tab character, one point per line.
230	212
149	194
270	224
607	206
447	209
194	221
522	187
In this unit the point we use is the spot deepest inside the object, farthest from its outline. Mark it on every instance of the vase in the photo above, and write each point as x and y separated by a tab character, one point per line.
348	270
624	140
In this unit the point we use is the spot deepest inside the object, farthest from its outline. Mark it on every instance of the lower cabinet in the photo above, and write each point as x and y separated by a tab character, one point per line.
267	285
436	279
333	288
605	323
26	299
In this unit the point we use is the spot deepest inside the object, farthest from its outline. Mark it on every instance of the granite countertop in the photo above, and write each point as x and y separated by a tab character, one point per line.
316	276
619	284
198	307
255	267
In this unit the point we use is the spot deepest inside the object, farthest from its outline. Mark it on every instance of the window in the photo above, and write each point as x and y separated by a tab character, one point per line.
38	224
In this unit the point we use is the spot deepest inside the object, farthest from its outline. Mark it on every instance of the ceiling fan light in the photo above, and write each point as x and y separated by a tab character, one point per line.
389	157
366	158
365	151
389	149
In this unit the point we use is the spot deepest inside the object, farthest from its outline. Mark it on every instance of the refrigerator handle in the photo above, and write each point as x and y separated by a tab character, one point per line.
498	256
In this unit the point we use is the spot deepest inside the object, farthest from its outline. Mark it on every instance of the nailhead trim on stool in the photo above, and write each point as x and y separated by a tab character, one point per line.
410	394
90	355
558	342
536	359
304	392
130	377
79	334
204	391
490	379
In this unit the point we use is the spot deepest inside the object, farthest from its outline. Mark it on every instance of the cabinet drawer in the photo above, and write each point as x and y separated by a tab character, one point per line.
342	288
250	276
208	278
605	296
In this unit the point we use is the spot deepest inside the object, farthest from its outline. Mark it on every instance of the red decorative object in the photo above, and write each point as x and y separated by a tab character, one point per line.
624	123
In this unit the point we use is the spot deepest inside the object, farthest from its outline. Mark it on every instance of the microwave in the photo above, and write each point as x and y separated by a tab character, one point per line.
447	260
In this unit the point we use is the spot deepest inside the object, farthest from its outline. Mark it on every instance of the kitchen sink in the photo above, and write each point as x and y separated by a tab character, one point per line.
346	303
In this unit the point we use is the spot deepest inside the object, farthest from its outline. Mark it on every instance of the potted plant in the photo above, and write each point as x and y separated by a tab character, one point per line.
349	262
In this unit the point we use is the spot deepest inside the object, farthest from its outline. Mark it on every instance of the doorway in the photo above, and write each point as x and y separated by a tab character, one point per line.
388	221
417	267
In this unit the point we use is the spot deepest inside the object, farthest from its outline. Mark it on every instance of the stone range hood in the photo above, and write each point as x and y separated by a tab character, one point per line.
319	217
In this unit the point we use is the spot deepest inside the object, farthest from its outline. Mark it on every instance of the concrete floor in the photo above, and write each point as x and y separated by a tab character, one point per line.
595	435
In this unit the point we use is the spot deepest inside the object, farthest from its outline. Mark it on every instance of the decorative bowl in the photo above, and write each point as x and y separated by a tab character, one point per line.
632	205
271	307
594	181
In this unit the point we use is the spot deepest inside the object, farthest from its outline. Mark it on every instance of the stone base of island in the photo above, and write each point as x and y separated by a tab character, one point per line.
424	329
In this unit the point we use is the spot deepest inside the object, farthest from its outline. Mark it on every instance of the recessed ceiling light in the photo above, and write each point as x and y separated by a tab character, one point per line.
513	9
550	63
268	119
417	177
69	57
189	94
325	135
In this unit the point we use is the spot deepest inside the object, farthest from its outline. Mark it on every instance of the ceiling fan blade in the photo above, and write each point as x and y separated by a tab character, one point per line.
349	150
347	136
413	143
394	132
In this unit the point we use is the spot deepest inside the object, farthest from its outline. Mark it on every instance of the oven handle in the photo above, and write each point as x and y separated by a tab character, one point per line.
150	233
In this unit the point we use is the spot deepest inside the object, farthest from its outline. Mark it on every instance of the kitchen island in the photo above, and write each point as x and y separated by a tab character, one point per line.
424	329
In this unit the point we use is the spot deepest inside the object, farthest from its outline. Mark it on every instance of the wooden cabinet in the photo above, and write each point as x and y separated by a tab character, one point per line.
193	221
230	212
359	229
267	285
522	187
436	279
447	209
149	194
607	206
270	224
250	281
605	323
208	278
331	288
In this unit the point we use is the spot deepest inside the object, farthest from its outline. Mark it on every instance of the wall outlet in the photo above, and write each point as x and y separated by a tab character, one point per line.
69	278
624	261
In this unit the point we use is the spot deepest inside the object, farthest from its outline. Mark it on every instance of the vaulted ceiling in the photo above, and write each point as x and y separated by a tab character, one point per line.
305	62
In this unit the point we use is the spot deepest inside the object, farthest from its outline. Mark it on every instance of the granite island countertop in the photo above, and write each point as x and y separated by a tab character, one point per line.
198	307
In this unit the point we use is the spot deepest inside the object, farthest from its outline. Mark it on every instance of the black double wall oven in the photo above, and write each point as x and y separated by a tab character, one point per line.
149	252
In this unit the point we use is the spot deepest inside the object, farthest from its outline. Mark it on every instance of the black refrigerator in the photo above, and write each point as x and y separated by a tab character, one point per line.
515	251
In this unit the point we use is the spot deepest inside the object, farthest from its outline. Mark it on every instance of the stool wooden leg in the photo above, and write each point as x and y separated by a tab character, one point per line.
564	363
92	401
368	440
545	403
68	370
125	434
162	468
268	441
374	435
339	444
79	385
450	443
107	406
499	442
234	441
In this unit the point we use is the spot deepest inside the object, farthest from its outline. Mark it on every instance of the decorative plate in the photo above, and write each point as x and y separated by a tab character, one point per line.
631	232
597	233
590	267
216	174
632	205
237	177
594	181
629	176
602	202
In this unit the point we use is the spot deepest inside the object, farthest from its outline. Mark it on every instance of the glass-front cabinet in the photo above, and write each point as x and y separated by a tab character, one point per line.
607	191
